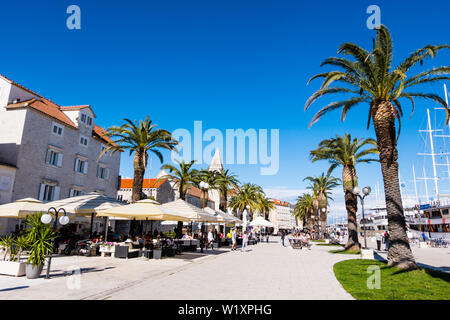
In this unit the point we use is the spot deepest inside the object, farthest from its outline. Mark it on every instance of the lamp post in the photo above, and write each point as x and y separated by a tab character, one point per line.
47	219
366	192
204	186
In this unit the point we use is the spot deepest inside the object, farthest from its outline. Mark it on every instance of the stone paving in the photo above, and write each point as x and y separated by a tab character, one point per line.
266	271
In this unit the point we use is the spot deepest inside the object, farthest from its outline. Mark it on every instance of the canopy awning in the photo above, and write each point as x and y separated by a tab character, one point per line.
143	210
86	204
22	208
189	211
261	222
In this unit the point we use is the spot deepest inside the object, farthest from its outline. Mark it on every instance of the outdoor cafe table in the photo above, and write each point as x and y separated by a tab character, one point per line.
188	244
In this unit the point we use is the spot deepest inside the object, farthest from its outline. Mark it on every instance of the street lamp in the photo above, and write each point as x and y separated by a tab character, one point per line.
204	186
47	219
366	192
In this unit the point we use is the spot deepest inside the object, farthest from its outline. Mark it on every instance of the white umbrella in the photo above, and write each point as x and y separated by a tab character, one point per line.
261	222
86	204
221	216
189	212
22	208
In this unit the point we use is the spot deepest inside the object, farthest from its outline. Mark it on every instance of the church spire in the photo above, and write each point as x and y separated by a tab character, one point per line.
216	162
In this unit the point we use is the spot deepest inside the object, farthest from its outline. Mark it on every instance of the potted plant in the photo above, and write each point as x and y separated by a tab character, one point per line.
13	248
40	237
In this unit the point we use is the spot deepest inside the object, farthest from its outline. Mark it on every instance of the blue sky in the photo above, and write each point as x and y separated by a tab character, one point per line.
231	64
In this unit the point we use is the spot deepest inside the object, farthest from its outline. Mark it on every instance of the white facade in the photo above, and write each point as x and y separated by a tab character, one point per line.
282	216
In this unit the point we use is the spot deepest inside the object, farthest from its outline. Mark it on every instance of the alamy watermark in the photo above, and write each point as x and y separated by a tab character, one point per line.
241	147
374	280
74	20
374	20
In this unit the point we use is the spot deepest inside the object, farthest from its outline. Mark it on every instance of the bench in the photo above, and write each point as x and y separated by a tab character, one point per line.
298	244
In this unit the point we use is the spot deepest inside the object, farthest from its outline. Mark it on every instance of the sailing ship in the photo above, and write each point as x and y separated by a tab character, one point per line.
432	216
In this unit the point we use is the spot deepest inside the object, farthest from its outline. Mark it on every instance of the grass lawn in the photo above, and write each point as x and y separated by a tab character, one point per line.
340	251
423	284
330	244
320	240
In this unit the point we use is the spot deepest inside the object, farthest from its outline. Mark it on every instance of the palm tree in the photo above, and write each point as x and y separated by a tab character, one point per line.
225	182
139	138
183	176
209	177
248	195
321	186
370	78
265	205
303	210
345	152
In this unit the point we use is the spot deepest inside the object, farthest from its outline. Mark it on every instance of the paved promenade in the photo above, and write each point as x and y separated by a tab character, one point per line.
266	271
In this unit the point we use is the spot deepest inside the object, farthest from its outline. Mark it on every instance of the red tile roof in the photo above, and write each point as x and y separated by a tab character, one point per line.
100	133
146	184
84	106
45	106
281	203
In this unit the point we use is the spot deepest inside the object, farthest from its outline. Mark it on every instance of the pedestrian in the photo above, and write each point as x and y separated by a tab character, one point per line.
233	240
210	240
244	241
267	237
378	238
386	240
283	234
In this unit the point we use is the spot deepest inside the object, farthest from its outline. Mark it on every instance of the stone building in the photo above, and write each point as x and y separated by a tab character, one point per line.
53	148
281	216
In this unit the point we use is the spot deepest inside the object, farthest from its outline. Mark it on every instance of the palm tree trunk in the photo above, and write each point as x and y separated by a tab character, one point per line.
400	253
350	181
139	171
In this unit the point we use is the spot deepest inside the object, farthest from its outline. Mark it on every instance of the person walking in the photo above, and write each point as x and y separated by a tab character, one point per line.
283	235
244	241
378	238
210	240
233	240
386	240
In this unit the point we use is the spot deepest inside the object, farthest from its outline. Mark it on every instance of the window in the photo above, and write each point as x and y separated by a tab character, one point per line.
81	166
102	172
86	119
49	192
54	157
75	193
57	129
83	141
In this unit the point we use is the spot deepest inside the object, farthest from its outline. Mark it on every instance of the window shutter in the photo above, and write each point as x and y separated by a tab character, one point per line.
47	156
56	191
75	166
71	193
98	171
85	169
41	192
60	157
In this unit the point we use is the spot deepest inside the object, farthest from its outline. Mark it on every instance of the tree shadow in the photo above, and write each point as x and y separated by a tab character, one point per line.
14	288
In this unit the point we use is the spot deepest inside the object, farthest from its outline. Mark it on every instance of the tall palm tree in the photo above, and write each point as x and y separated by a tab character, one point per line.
303	210
347	152
368	77
183	176
321	186
225	181
265	205
209	177
139	138
248	195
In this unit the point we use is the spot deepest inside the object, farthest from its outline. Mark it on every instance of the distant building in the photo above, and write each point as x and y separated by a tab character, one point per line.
52	149
160	190
281	216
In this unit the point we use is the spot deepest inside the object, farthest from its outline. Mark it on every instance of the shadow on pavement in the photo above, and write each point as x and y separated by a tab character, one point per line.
14	288
61	273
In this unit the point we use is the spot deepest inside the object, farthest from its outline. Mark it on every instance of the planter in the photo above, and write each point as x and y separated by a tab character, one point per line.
157	253
12	268
33	272
367	254
327	241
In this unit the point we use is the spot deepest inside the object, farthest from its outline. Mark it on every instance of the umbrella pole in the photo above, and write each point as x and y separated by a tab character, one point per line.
106	229
92	223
